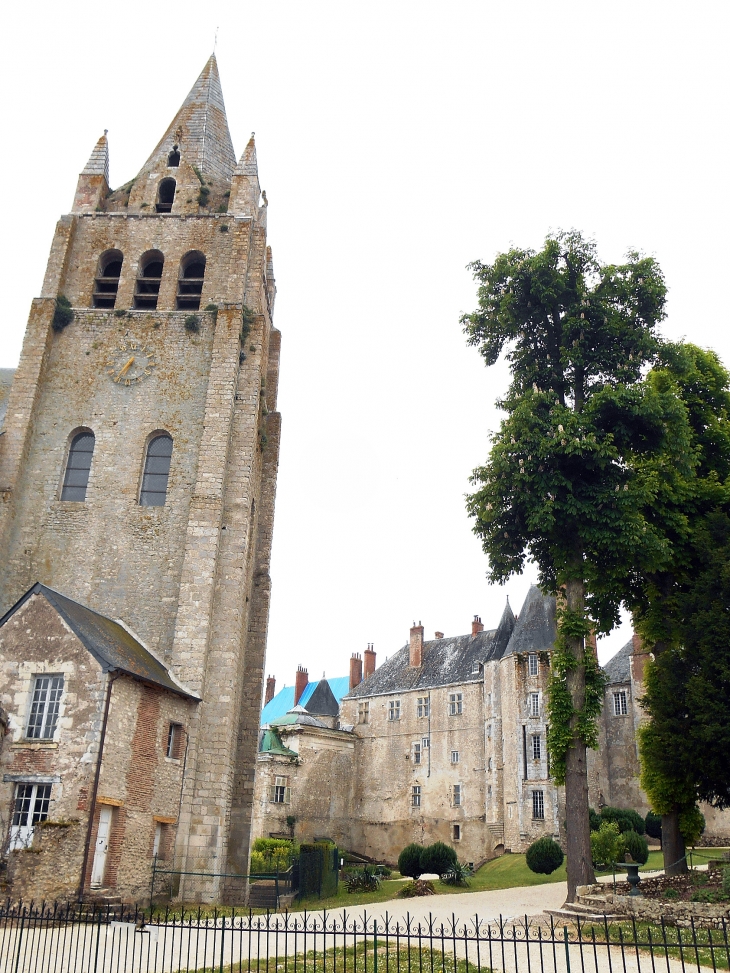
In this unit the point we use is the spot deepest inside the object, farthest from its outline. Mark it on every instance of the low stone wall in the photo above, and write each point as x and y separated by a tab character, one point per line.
51	868
703	914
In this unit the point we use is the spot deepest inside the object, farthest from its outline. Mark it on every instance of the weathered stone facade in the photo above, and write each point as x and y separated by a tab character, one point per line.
465	712
172	289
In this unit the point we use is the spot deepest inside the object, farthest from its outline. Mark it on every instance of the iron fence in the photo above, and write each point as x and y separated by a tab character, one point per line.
75	939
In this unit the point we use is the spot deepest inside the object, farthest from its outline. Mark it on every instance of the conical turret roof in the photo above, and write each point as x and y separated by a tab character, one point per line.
200	128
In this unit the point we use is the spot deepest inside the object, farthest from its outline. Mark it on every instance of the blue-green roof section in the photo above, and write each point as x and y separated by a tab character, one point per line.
284	699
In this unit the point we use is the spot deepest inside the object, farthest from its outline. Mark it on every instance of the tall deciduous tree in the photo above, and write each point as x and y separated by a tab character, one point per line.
682	611
560	486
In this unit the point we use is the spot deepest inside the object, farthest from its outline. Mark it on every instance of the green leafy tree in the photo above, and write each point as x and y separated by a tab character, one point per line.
681	610
561	486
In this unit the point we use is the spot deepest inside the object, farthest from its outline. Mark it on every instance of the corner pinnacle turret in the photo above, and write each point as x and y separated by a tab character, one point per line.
93	184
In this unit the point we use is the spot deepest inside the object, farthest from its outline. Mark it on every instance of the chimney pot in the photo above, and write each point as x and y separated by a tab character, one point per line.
355	670
369	664
415	657
300	683
270	689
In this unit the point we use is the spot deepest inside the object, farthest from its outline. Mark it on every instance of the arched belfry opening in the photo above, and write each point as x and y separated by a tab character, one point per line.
173	159
106	282
166	195
190	280
149	277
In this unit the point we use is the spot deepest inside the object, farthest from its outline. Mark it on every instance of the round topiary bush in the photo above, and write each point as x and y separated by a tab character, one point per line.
544	856
438	858
625	818
637	846
653	825
409	861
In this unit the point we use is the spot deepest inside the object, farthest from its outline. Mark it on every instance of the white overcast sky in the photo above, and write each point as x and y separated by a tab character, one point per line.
397	141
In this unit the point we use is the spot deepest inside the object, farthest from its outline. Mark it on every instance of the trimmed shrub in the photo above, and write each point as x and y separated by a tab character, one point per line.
625	818
594	820
412	889
607	844
637	846
409	861
653	825
544	856
438	858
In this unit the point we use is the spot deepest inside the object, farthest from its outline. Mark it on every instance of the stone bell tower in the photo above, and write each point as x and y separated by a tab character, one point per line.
139	451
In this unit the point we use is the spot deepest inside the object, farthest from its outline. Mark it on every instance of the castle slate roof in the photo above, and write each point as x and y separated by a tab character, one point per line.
618	667
114	647
445	661
6	379
535	629
283	702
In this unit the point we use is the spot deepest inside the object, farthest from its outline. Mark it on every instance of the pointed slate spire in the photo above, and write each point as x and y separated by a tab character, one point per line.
200	128
93	184
504	630
248	166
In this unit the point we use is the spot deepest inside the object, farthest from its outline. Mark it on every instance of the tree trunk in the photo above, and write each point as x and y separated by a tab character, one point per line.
675	862
579	864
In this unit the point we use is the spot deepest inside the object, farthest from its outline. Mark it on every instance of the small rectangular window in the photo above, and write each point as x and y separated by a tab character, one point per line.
394	709
43	718
538	805
456	704
425	743
536	747
532	663
620	707
280	791
456	795
363	712
454	756
456	832
416	753
175	738
423	705
416	796
534	703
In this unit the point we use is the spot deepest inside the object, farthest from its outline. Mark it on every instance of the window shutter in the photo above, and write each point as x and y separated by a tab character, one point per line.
287	795
272	793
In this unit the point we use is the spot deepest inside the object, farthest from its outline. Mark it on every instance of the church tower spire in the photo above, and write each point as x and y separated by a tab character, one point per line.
200	129
194	158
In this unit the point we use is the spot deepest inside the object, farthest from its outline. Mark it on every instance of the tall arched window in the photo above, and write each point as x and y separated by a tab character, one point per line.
166	195
106	282
149	276
156	471
78	466
190	281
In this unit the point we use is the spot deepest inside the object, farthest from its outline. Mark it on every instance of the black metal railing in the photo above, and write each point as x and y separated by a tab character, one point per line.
79	939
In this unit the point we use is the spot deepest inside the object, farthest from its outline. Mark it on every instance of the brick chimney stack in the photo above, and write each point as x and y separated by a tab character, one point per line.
300	683
355	670
416	648
476	626
438	635
639	657
369	661
270	689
